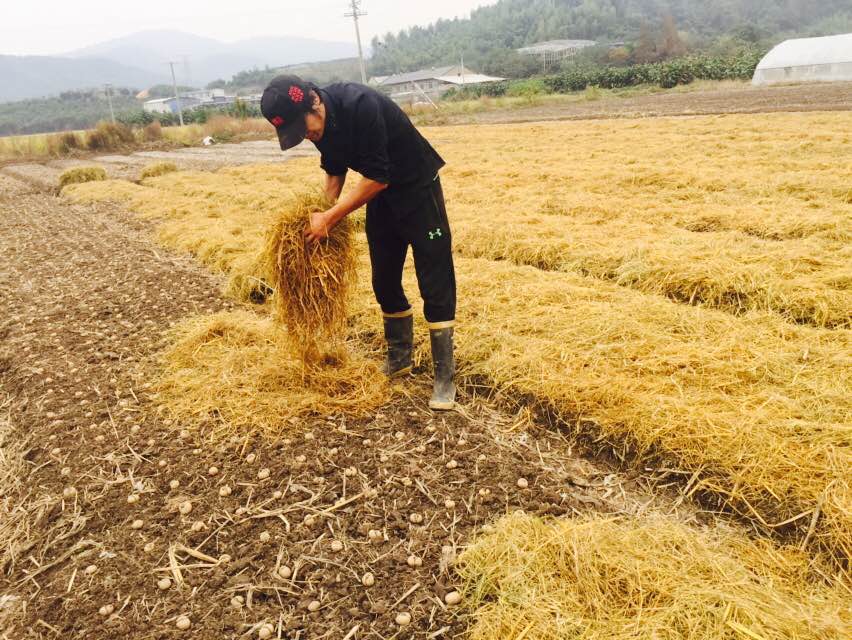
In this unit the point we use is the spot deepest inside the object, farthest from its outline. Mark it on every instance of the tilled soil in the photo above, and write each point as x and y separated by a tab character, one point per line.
117	522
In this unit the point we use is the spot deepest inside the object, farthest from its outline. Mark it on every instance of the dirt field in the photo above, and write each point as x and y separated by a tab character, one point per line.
87	297
610	394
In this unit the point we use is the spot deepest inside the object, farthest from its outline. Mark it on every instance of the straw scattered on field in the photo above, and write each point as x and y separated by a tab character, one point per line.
803	281
774	176
756	408
240	372
622	579
753	408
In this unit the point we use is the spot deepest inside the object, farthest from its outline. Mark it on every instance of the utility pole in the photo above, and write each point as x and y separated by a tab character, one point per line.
355	14
177	95
108	88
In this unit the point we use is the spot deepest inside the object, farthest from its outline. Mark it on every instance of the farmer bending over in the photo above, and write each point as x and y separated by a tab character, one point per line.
355	127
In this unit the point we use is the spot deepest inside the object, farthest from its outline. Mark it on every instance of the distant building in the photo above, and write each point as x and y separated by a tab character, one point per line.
189	100
169	105
823	59
205	95
416	86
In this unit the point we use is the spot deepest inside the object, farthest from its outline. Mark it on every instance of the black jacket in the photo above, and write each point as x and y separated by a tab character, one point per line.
367	132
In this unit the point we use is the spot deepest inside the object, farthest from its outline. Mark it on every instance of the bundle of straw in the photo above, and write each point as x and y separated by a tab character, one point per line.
311	281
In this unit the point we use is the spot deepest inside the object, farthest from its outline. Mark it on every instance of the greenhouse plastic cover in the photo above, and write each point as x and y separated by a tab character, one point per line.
809	51
827	59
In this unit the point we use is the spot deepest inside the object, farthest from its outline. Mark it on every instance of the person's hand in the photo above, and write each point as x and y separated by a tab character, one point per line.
318	228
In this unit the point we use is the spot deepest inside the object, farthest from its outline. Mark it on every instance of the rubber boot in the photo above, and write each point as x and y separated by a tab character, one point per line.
444	389
399	335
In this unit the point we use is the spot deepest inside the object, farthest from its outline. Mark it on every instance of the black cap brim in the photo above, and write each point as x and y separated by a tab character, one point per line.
291	135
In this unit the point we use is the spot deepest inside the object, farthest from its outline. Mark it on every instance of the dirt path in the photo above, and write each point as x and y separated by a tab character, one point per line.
45	175
748	99
93	478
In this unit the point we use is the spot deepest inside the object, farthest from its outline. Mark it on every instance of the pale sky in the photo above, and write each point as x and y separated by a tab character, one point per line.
56	26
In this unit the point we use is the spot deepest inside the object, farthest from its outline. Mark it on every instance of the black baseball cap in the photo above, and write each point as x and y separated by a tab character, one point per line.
284	103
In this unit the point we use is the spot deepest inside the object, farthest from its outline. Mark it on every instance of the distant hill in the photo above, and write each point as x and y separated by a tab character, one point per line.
67	111
202	60
31	76
492	32
255	79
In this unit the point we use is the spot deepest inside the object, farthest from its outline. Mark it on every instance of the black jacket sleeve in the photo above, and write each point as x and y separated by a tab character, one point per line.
333	164
371	140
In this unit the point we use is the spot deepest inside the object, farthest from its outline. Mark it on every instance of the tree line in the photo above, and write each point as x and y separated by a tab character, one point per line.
631	31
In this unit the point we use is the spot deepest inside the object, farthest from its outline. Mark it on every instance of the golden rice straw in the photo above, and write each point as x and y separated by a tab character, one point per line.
261	382
622	579
311	280
758	407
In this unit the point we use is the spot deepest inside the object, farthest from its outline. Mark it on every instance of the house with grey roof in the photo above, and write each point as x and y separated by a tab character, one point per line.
430	84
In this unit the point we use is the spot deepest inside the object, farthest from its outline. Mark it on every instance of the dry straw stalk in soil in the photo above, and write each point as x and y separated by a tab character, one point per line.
621	579
311	280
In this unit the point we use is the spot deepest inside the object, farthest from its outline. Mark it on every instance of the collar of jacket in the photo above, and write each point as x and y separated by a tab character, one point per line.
330	110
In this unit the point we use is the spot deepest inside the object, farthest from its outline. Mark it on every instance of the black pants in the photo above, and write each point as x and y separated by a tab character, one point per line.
415	216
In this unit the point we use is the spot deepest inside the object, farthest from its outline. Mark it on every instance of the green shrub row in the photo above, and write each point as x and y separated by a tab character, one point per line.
665	74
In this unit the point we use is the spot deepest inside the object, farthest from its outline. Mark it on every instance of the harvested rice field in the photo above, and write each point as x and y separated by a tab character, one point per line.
654	345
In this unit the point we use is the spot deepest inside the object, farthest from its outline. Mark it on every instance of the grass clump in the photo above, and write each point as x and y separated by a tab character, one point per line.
622	579
239	371
108	136
158	169
311	281
152	132
80	175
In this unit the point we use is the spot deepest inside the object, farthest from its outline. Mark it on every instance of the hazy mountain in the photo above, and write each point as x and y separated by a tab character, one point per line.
140	60
33	76
201	60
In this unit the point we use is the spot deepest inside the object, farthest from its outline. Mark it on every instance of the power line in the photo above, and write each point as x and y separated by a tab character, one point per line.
355	14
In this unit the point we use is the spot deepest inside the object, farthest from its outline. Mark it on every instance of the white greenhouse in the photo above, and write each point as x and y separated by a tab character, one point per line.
807	59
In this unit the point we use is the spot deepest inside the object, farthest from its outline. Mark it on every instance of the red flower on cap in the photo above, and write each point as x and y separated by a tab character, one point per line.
296	94
277	121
